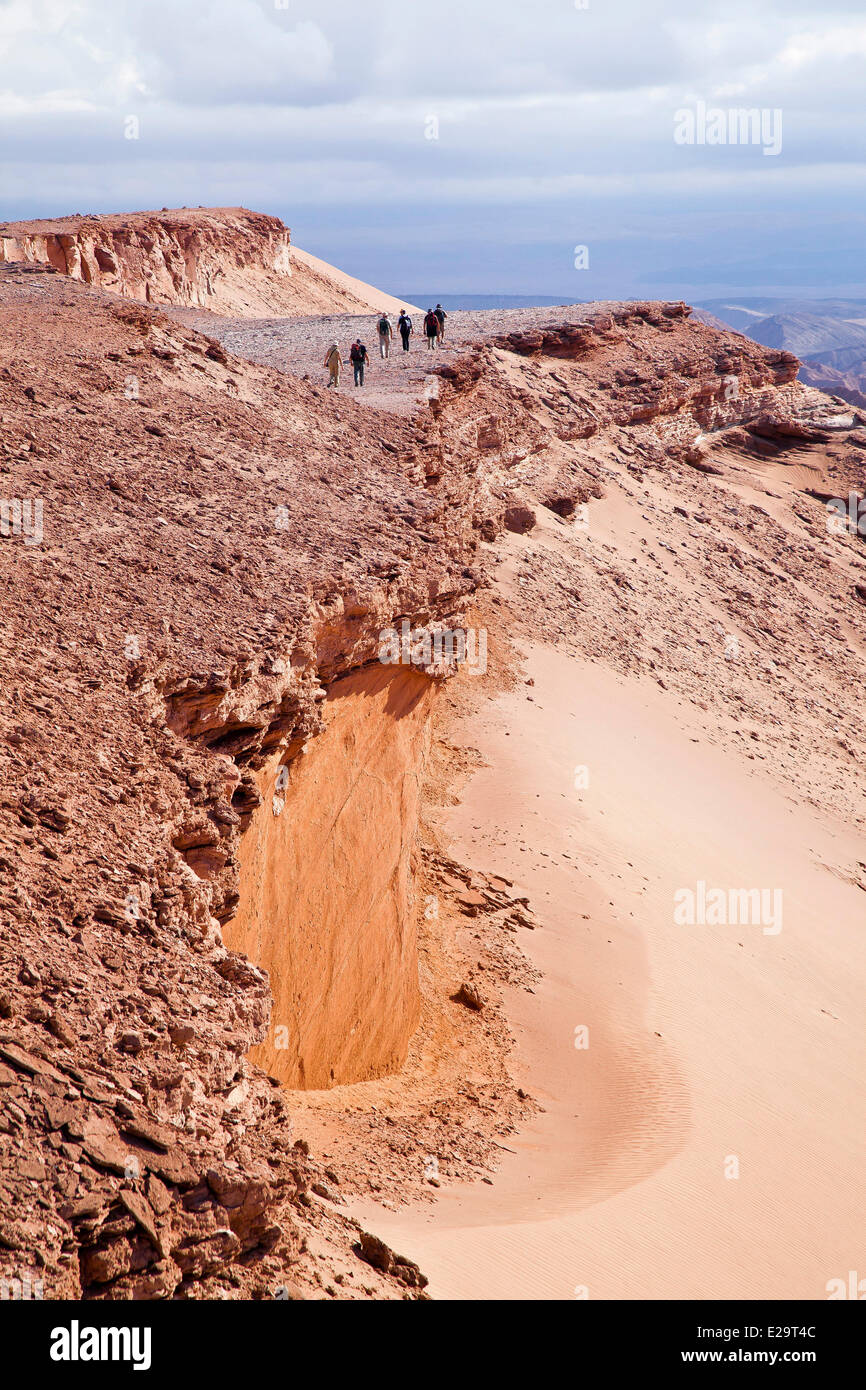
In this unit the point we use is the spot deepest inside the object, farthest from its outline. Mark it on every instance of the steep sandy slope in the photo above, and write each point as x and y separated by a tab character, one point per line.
228	260
683	659
322	289
338	938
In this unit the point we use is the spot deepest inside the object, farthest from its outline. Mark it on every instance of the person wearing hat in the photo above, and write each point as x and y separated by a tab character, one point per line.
333	362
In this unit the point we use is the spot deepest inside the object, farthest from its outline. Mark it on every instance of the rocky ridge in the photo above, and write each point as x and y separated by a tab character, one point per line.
217	544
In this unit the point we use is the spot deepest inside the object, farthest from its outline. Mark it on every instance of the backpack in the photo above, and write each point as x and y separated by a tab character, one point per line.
405	323
431	323
355	353
384	326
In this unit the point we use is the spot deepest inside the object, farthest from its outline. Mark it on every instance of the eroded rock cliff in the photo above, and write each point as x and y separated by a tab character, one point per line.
228	260
210	780
211	557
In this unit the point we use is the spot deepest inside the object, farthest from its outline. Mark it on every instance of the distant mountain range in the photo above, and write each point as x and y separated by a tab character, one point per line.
828	335
485	301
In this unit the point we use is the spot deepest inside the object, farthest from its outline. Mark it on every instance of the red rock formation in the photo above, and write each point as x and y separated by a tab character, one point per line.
228	260
199	257
218	550
215	549
643	367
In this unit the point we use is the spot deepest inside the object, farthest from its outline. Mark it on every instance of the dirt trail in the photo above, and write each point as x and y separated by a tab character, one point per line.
298	345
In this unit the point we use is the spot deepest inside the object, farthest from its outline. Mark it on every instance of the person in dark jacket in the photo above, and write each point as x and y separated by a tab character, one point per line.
404	323
441	316
359	359
431	328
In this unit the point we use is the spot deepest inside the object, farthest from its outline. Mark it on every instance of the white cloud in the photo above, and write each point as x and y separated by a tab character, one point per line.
805	49
551	112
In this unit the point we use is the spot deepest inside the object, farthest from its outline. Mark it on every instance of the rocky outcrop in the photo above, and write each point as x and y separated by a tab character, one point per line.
210	776
228	260
212	257
205	557
648	369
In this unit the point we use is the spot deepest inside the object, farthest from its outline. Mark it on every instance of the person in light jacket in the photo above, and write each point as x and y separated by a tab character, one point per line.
386	333
333	362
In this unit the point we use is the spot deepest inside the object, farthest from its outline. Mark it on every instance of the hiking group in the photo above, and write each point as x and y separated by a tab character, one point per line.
434	331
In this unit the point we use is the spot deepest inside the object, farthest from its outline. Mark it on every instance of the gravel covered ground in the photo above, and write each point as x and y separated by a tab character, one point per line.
298	345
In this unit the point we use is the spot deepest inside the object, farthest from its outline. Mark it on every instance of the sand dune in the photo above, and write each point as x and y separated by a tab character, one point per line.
707	1044
325	289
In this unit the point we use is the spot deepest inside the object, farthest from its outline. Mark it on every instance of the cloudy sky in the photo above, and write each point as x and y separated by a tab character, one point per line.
462	145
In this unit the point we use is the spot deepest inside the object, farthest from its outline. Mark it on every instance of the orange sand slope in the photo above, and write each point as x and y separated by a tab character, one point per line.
325	289
712	1048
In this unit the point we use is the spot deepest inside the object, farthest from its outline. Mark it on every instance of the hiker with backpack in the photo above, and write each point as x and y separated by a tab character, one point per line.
441	316
385	334
359	359
333	362
431	328
404	323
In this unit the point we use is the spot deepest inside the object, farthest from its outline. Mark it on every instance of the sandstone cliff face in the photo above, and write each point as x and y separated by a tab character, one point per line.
228	260
326	903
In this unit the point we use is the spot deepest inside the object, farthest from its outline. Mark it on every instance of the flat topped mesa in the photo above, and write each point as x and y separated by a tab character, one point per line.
189	217
231	261
226	259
